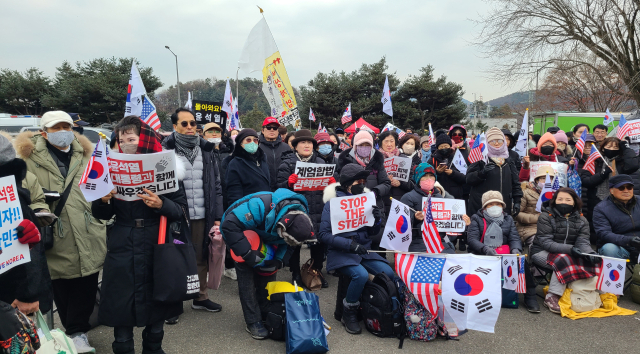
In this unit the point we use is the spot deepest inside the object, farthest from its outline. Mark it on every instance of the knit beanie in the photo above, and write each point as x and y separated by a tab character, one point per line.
492	196
323	138
7	152
424	139
494	134
443	139
561	137
547	137
362	137
421	170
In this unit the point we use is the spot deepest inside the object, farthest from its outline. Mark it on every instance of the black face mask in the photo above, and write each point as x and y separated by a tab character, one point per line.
564	209
610	153
547	150
357	188
80	130
443	153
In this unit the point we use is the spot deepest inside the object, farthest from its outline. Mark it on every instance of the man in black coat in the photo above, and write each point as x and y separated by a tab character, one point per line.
273	147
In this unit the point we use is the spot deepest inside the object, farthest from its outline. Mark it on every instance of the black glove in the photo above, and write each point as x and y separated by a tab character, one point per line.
357	248
487	168
606	170
516	209
270	266
635	242
252	258
489	251
623	144
516	251
377	214
575	252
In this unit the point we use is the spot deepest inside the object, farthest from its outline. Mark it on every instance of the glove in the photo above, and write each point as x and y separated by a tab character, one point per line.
606	170
516	209
516	251
270	266
377	214
635	242
357	248
489	251
486	169
252	258
293	179
332	180
575	252
28	233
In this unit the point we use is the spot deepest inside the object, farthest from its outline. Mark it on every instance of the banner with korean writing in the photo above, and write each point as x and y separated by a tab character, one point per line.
279	92
634	131
399	167
352	212
130	173
313	176
559	168
447	213
209	112
12	252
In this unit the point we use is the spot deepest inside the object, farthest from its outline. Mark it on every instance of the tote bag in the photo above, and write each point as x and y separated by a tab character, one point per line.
53	341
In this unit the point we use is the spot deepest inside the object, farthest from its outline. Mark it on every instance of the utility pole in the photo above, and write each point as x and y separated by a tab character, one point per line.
177	75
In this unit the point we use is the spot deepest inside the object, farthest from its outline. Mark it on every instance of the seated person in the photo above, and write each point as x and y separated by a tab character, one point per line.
561	230
527	219
616	220
348	252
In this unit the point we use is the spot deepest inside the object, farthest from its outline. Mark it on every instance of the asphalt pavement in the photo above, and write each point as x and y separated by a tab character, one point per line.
517	331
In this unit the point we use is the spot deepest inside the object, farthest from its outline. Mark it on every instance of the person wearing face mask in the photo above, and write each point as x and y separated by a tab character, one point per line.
127	278
498	174
449	176
563	146
409	145
348	252
247	171
527	219
458	135
58	159
545	151
304	146
561	230
326	148
389	148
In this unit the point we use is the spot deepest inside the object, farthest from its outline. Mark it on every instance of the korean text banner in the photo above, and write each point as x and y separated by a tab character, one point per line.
352	212
634	131
130	173
209	112
398	167
12	252
277	88
447	213
313	176
559	168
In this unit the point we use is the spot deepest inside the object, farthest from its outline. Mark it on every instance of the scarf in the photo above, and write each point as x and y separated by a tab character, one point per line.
498	160
534	186
395	152
493	235
304	159
426	155
602	191
149	140
187	146
502	151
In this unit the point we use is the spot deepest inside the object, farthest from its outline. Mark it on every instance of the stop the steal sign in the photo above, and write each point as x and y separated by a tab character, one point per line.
352	212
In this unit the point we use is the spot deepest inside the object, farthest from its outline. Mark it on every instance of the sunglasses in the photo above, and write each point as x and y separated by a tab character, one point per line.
191	123
626	186
271	127
249	140
456	134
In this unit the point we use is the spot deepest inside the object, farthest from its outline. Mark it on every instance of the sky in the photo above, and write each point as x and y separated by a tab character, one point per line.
208	36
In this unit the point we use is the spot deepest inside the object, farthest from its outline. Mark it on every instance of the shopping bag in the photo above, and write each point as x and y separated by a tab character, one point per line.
305	329
175	273
53	341
217	252
573	180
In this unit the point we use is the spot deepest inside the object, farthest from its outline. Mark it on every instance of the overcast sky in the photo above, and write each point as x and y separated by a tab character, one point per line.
208	36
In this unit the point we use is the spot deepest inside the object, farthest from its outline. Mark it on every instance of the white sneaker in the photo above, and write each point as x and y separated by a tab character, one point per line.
82	344
231	273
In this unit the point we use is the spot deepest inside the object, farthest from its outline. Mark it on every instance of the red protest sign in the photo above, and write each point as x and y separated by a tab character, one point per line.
313	176
352	212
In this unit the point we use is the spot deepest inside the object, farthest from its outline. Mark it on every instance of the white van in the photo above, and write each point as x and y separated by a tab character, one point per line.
13	123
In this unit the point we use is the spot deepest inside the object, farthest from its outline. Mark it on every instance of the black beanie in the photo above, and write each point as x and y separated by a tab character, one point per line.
443	139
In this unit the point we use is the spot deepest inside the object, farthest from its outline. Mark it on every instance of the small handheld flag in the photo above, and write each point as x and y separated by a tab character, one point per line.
608	118
430	234
346	116
386	98
623	127
476	153
521	144
422	276
590	165
96	182
149	114
547	192
580	143
311	115
522	286
432	138
611	275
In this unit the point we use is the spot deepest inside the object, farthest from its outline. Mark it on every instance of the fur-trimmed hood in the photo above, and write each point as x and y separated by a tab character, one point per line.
330	191
25	144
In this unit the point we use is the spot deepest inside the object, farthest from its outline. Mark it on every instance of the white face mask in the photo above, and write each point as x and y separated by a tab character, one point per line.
215	140
494	211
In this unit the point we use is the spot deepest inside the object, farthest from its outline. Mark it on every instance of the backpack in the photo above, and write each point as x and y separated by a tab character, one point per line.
275	317
381	308
420	323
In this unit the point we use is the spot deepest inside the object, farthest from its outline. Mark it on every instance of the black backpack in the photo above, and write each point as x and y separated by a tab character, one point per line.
275	317
382	309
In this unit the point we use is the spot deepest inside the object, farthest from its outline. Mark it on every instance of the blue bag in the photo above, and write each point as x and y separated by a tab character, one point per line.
305	329
573	180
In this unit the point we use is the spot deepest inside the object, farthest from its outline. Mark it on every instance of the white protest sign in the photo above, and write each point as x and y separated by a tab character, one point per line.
398	167
447	213
559	168
352	212
397	232
313	176
130	173
13	252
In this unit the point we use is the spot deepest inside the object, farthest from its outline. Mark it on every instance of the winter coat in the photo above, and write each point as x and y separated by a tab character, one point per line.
127	279
338	254
503	179
453	183
247	174
615	224
329	159
38	202
314	198
224	150
558	234
535	155
413	199
475	232
273	151
79	245
260	212
527	219
378	180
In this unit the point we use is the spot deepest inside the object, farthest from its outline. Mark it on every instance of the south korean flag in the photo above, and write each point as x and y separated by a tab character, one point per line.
397	231
510	272
611	275
471	291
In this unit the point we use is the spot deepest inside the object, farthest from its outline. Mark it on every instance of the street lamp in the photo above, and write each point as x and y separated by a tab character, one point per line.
177	76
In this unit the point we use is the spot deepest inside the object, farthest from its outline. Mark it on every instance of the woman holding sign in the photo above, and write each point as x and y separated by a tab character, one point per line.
389	148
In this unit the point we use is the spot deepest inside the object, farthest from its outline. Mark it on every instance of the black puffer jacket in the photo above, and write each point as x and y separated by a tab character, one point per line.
503	179
617	223
378	181
223	151
558	234
273	151
453	183
475	230
246	174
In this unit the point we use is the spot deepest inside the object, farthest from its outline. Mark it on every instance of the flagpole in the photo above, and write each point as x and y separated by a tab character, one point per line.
446	255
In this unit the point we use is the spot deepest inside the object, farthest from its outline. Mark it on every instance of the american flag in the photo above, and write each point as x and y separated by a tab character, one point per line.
421	274
522	287
432	138
476	151
346	116
623	127
430	233
149	114
590	165
400	133
311	115
580	143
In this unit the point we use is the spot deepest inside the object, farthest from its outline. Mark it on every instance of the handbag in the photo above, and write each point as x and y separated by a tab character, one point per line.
305	325
46	232
17	331
53	341
217	250
310	276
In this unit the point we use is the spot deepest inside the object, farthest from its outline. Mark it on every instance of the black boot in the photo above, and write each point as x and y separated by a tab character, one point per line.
297	278
123	347
350	317
325	284
152	342
530	301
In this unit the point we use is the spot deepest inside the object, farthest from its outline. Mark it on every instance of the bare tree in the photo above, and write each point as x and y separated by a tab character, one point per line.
524	35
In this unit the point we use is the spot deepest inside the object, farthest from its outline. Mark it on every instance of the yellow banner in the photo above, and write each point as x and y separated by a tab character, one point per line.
277	88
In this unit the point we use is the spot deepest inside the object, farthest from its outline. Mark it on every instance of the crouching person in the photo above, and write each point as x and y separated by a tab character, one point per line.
348	252
280	219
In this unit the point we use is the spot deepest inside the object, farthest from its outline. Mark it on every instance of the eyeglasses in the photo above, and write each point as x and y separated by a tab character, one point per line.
191	123
628	187
456	134
249	140
271	127
496	142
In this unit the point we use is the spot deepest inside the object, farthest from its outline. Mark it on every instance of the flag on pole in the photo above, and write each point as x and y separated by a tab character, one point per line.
149	114
135	91
311	115
523	136
95	182
189	104
547	191
522	283
230	106
509	272
590	165
400	133
477	151
432	138
430	234
421	275
397	231
459	162
580	143
623	127
386	98
608	118
346	116
611	275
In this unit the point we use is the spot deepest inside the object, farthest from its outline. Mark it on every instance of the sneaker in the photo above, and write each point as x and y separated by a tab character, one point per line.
551	302
231	273
207	305
257	331
81	342
172	320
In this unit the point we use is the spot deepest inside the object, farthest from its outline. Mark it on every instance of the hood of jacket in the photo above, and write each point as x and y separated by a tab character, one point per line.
453	127
26	144
331	191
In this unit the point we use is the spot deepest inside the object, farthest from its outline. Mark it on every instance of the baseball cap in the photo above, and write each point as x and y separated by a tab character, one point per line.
620	180
270	120
52	118
76	119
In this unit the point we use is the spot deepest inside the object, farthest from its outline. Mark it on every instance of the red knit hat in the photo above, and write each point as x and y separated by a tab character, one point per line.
323	138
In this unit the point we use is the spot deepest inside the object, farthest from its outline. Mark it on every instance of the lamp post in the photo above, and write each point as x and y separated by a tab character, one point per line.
177	75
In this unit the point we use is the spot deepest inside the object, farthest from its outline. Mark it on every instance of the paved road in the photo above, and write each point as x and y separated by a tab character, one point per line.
516	331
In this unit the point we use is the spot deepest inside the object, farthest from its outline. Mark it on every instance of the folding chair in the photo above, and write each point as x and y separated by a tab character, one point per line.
543	279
